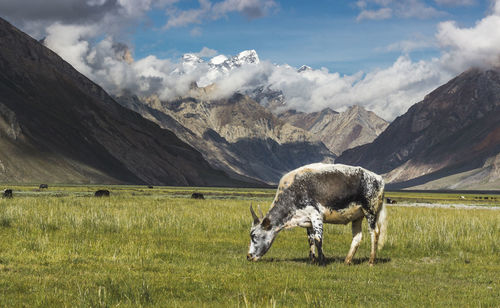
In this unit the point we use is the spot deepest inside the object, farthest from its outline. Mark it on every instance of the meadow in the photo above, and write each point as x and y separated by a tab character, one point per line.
157	247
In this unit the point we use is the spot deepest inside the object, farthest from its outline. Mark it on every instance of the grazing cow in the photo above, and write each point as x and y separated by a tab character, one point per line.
7	193
102	193
323	193
150	186
42	186
197	196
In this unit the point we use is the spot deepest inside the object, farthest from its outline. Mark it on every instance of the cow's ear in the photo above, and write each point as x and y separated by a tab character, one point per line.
266	224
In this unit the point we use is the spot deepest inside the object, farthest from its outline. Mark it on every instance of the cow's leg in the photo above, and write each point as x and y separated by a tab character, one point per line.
357	235
317	226
312	250
374	234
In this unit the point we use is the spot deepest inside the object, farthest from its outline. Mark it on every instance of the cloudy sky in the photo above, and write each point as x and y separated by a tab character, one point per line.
382	54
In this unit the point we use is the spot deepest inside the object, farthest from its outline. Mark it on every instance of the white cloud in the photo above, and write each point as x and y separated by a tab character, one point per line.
182	18
389	92
212	11
249	8
385	9
115	16
475	46
383	13
196	31
416	9
96	2
496	7
70	42
418	42
456	2
206	52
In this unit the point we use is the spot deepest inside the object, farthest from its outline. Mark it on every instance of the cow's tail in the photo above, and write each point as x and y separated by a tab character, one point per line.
382	226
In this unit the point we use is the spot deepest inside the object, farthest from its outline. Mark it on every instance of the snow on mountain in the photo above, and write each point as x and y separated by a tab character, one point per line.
225	64
218	60
278	87
190	62
245	57
190	58
217	67
304	68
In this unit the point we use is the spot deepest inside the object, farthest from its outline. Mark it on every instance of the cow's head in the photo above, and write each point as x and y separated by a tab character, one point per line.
262	235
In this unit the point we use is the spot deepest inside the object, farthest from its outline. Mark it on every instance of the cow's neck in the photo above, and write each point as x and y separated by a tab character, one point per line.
282	211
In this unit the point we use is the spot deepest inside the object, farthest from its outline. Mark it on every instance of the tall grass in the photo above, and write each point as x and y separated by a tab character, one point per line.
154	250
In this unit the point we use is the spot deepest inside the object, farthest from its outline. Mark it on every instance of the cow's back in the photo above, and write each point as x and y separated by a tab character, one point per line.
335	186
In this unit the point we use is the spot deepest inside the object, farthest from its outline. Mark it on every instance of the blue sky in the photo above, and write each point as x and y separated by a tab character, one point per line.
325	34
319	33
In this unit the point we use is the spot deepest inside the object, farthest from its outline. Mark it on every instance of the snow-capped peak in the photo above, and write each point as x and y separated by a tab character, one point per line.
191	58
217	65
243	58
304	68
248	57
217	60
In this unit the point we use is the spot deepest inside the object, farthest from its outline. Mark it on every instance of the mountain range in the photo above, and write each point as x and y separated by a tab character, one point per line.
235	134
247	133
449	140
241	136
58	126
338	131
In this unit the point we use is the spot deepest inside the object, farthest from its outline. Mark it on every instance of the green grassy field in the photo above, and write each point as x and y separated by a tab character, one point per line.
156	247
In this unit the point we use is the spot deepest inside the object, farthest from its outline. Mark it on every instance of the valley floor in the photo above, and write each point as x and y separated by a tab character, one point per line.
157	247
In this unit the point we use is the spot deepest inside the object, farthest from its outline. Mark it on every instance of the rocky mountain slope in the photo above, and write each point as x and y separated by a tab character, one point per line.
339	131
58	126
236	134
453	134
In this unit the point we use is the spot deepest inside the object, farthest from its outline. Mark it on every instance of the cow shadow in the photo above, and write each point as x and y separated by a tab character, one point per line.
329	260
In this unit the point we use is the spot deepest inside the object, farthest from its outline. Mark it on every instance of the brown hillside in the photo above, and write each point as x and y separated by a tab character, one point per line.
58	126
453	130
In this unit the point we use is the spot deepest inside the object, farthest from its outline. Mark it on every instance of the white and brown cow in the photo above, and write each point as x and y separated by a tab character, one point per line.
323	193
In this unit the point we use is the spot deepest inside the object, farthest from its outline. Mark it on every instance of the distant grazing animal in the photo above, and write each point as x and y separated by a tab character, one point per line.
101	193
323	193
390	201
150	186
197	196
43	186
7	193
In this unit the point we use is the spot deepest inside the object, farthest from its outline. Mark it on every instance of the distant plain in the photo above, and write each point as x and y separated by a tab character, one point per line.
157	247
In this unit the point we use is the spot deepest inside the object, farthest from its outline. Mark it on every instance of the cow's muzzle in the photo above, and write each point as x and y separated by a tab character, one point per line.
252	258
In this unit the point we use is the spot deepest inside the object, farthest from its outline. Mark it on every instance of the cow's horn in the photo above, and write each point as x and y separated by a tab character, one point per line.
260	211
256	219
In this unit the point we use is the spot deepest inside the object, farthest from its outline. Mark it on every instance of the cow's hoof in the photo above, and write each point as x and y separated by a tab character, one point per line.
321	262
348	262
318	262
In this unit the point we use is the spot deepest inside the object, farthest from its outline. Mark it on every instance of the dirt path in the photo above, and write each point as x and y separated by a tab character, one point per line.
448	206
